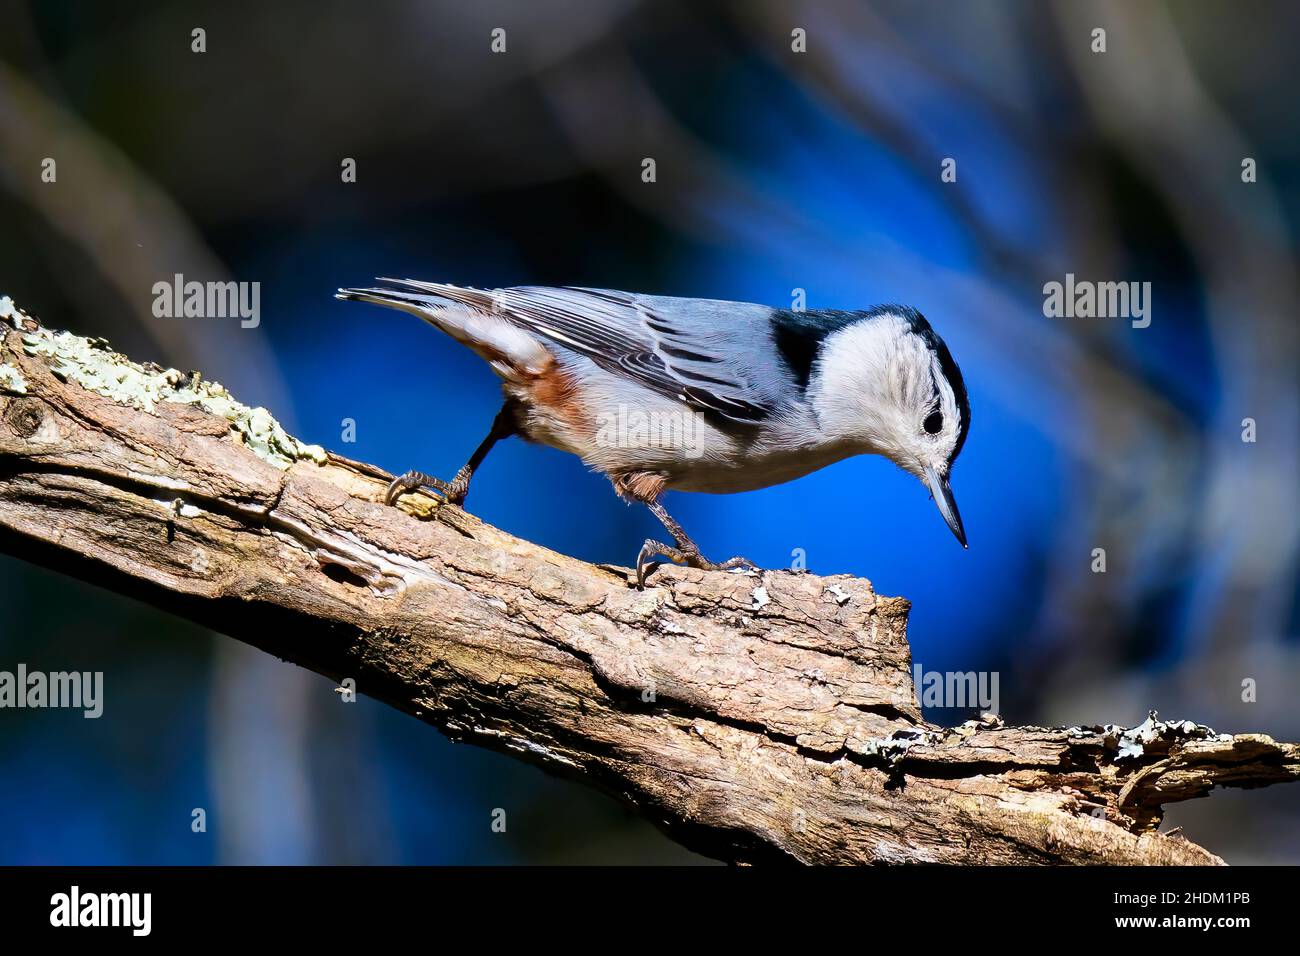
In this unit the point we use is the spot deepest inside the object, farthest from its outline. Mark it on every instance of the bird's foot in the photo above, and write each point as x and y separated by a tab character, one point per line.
691	556
453	491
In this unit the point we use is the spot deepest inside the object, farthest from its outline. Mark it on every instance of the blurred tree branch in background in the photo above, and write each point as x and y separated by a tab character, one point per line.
756	718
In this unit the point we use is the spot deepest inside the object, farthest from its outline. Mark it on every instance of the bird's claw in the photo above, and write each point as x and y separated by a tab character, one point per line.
453	491
652	549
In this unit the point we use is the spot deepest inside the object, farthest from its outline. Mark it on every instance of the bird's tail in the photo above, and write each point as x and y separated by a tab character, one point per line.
464	314
408	300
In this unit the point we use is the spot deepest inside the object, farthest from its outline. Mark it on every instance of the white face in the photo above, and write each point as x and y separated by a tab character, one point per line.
881	386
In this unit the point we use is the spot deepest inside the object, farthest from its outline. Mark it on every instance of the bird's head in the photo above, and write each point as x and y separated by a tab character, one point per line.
888	383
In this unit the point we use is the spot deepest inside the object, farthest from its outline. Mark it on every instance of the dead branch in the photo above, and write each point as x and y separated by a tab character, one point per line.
754	717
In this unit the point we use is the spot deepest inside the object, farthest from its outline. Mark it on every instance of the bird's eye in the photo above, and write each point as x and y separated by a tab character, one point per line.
934	423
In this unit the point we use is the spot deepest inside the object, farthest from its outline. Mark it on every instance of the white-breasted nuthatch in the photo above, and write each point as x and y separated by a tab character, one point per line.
758	395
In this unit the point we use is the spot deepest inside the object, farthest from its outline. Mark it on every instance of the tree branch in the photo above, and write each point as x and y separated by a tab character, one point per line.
755	717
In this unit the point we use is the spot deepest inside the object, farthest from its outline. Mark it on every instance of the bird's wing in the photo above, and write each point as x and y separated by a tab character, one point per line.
699	352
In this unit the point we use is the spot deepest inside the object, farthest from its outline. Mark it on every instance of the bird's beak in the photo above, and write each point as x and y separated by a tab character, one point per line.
946	502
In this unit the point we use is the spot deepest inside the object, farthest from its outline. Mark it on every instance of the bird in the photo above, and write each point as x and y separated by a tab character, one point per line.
663	393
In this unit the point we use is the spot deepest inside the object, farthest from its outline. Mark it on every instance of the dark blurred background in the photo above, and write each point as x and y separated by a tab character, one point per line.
776	171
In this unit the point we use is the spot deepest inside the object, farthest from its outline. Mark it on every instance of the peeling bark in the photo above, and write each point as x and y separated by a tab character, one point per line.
755	717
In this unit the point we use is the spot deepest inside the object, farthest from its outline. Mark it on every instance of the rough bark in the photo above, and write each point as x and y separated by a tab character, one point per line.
756	717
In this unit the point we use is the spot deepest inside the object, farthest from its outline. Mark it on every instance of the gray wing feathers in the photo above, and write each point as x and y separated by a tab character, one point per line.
715	356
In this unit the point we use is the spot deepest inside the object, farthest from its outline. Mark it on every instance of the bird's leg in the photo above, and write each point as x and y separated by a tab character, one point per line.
455	490
686	552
